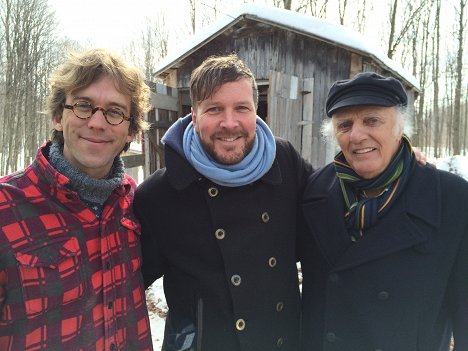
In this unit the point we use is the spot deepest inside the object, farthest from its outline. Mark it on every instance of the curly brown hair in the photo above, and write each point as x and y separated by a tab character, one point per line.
82	69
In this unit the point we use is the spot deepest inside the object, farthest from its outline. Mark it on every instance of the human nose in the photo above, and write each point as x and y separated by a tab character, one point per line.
357	133
97	118
229	120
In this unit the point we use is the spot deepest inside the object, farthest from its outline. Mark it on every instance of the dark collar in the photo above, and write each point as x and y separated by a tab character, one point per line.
408	223
181	174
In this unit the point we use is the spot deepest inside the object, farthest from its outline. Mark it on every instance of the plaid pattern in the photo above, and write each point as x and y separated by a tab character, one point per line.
68	281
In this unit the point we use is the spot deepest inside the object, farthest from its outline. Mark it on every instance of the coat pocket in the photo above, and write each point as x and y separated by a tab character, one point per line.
51	274
132	232
185	335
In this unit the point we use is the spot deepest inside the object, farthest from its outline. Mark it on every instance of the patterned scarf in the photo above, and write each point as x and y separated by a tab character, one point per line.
363	212
251	168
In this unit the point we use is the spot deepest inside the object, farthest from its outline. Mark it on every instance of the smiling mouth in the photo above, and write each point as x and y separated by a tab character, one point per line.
364	151
97	141
231	139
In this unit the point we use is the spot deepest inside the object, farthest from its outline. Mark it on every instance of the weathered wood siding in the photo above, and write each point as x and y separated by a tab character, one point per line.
270	51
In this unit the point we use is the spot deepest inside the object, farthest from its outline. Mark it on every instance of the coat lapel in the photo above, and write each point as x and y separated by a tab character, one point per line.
409	223
323	213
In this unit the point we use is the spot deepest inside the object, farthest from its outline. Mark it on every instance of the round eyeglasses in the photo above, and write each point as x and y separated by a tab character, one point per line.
84	110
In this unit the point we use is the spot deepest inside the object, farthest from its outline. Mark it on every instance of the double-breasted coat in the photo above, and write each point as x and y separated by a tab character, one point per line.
228	254
404	285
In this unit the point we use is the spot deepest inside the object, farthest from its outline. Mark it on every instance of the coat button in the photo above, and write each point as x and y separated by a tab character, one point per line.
383	295
279	342
240	324
331	337
265	217
213	192
236	280
272	262
220	234
279	306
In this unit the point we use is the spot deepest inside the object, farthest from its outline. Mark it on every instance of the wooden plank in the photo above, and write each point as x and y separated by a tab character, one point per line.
161	124
285	107
164	102
133	160
307	118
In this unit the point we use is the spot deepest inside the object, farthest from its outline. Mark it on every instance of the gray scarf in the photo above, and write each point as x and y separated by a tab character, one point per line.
94	192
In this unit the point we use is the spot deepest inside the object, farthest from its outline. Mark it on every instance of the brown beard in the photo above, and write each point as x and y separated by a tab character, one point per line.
231	158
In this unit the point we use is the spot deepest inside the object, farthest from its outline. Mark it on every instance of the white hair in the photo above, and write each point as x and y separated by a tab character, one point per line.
401	127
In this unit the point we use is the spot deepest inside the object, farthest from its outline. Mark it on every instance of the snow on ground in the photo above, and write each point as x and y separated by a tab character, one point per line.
157	309
155	295
455	164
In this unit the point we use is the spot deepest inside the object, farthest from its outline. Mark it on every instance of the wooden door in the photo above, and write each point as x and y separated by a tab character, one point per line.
290	110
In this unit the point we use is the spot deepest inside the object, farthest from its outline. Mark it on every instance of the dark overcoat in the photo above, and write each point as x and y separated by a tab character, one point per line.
403	285
227	254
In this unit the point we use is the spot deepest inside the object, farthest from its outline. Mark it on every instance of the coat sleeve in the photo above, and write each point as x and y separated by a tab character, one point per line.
459	297
153	266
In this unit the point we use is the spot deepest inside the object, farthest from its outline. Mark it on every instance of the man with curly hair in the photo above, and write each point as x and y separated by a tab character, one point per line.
70	253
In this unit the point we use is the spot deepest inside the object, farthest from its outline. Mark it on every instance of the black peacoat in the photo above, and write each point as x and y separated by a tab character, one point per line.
228	254
401	287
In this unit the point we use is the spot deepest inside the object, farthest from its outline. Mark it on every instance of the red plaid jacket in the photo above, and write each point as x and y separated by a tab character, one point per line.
68	281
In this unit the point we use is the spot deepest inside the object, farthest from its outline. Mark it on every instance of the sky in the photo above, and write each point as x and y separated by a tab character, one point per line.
103	23
113	24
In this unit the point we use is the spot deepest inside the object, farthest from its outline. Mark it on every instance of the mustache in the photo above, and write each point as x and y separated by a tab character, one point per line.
230	134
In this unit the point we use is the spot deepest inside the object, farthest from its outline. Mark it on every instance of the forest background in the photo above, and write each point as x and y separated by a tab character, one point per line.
426	37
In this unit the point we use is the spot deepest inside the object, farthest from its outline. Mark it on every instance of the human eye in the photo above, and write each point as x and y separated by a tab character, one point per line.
371	121
114	113
213	110
83	106
243	108
343	126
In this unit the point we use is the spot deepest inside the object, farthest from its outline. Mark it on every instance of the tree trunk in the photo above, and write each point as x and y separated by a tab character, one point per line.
459	77
436	62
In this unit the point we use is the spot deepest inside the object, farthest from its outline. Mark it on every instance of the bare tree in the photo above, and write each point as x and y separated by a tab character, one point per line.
26	43
420	58
459	78
286	4
192	13
450	78
316	8
435	79
400	24
154	44
465	131
342	10
361	17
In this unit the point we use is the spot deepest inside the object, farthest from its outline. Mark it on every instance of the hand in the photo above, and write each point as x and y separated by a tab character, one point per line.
420	156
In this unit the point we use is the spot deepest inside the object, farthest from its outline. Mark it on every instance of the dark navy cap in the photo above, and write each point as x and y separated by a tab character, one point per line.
367	88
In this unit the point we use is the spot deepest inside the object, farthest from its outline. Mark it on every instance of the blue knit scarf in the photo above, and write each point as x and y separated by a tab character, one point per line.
251	168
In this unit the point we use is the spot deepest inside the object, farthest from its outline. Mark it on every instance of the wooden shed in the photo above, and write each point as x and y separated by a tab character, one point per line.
295	59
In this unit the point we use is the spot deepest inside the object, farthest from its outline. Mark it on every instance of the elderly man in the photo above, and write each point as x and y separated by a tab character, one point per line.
385	259
70	254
